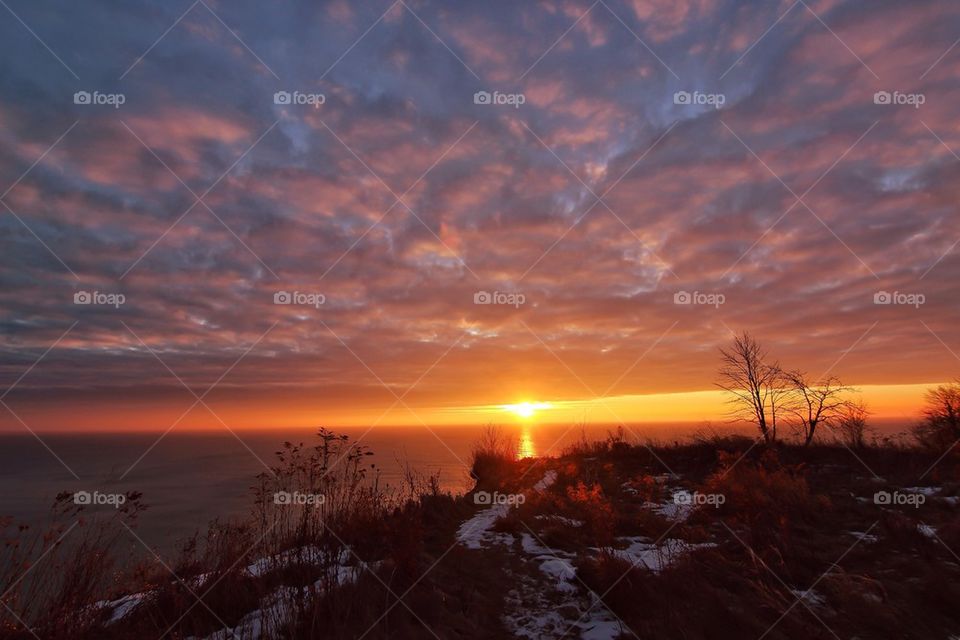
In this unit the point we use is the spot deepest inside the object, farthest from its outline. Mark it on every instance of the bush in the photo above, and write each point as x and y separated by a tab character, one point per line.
49	577
940	428
765	495
493	458
851	425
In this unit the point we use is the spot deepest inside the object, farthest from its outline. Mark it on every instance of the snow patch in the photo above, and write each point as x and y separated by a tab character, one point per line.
927	491
122	607
548	479
640	552
476	533
277	609
863	536
810	596
561	571
570	522
671	510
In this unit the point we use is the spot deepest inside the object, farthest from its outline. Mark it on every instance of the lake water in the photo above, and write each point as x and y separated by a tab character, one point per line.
188	479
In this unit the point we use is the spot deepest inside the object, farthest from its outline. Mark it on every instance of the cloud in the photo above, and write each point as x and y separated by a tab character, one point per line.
400	198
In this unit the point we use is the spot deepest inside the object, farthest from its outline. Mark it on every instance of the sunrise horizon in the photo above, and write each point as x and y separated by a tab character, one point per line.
407	319
888	402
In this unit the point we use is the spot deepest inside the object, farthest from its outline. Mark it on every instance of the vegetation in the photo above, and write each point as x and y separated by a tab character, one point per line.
823	534
940	427
370	561
763	393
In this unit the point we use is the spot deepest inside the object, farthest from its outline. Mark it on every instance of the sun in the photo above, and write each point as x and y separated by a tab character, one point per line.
526	410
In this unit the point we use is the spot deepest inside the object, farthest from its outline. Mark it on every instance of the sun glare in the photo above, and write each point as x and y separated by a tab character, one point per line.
526	409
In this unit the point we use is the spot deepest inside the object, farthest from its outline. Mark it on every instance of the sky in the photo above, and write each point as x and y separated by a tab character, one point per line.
303	213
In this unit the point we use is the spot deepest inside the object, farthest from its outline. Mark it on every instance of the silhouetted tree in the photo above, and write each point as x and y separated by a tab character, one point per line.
852	424
940	427
757	387
815	404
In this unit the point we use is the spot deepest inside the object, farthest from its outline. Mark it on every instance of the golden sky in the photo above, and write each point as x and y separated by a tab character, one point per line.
226	235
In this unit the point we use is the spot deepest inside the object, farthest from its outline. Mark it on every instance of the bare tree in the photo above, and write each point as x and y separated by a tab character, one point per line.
852	424
940	427
815	404
756	387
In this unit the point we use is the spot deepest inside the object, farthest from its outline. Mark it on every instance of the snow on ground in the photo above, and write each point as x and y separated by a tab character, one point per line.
562	572
640	552
476	533
534	609
548	479
863	536
570	522
927	491
934	492
277	609
927	530
535	613
532	547
811	597
122	607
550	602
671	509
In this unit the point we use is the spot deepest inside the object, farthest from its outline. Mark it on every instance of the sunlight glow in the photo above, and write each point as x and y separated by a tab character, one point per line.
526	409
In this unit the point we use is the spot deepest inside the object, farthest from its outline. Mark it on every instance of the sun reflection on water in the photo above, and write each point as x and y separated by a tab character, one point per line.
525	446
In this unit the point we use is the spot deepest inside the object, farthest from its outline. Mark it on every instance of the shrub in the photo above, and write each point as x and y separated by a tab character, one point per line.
940	428
49	577
493	458
851	425
766	496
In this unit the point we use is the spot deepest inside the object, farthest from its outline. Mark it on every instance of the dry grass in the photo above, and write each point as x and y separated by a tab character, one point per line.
784	524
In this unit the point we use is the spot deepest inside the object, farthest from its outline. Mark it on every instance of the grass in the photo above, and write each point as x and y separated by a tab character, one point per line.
786	524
